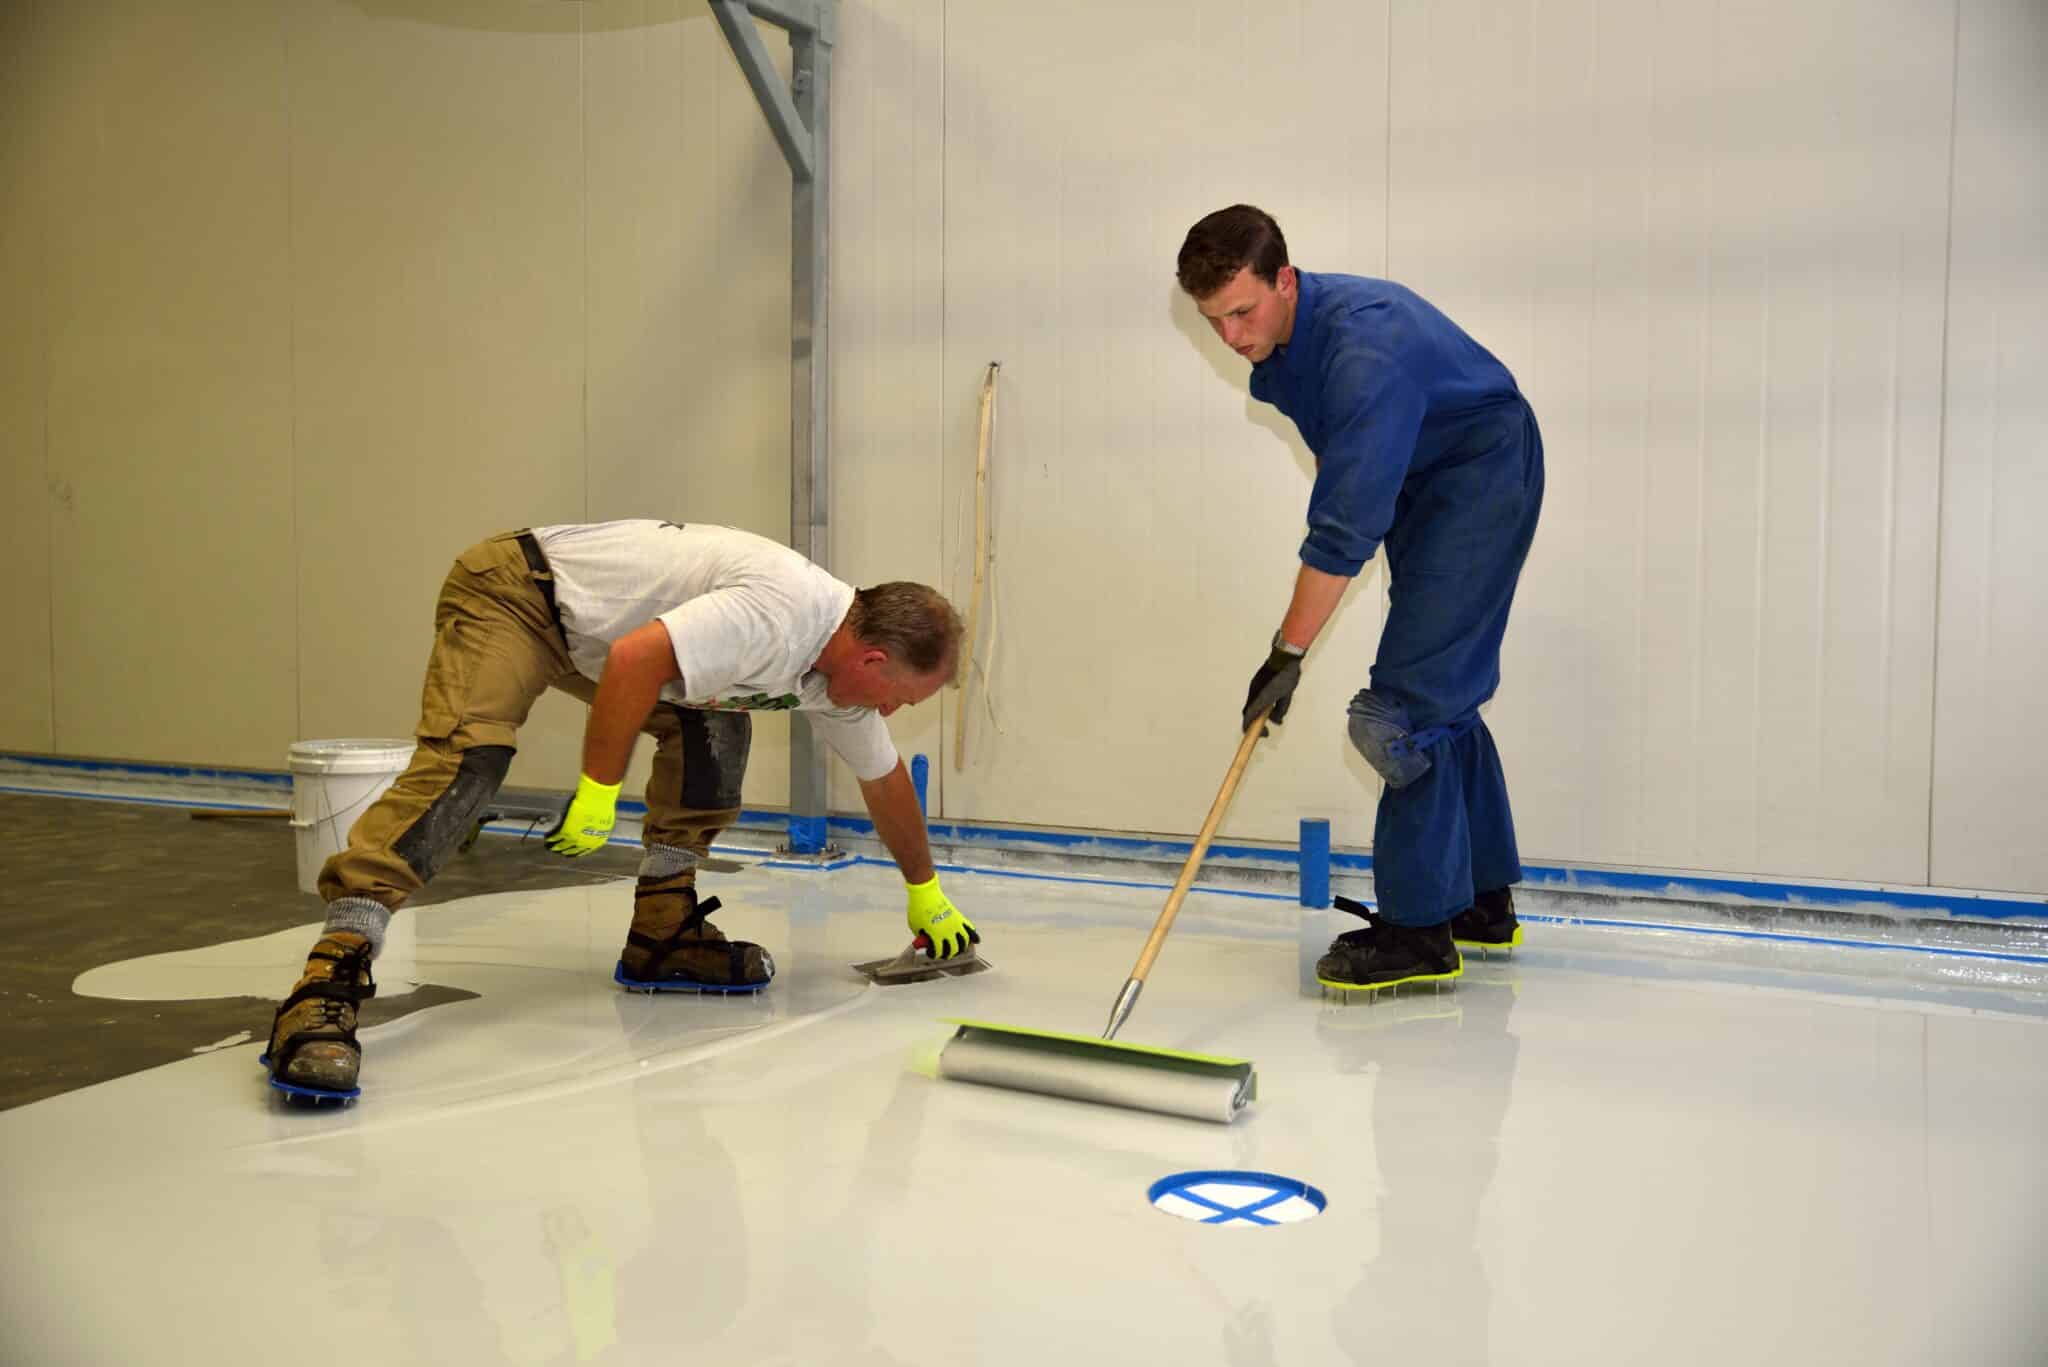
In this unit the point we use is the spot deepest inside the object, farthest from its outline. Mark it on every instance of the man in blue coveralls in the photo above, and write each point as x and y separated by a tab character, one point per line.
1423	445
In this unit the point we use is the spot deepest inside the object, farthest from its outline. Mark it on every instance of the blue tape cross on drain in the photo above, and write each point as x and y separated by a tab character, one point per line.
1258	1199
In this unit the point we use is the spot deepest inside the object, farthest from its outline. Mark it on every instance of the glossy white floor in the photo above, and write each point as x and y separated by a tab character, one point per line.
1615	1147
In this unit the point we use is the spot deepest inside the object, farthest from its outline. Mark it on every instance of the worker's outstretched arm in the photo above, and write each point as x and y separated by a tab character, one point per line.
639	664
899	822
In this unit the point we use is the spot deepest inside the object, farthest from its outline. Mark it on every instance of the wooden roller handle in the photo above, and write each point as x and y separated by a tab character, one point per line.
1187	872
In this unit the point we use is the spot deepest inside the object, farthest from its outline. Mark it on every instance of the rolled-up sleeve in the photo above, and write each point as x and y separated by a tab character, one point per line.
859	736
1373	415
719	638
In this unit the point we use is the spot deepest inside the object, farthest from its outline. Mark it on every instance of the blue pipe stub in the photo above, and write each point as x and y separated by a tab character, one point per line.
1315	862
806	834
1240	1200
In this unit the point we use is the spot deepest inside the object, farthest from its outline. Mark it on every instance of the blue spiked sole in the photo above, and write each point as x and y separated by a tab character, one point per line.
308	1096
684	985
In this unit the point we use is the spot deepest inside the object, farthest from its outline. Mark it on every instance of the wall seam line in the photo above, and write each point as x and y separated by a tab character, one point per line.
1948	270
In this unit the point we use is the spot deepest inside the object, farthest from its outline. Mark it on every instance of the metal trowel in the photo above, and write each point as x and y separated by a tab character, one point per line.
916	965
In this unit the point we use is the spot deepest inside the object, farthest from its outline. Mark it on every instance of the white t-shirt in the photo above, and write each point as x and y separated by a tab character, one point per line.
745	616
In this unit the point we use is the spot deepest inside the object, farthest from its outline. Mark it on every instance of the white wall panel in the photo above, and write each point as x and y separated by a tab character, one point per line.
309	297
889	405
1147	512
686	204
437	233
1709	243
168	415
26	703
1990	813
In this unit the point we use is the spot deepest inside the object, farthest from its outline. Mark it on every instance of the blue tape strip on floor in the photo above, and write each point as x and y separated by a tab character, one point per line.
1069	841
1786	937
1598	922
1070	879
142	801
267	777
1955	904
1798	894
1564	878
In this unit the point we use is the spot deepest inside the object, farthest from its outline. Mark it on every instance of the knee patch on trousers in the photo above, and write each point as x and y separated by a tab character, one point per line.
1382	731
715	748
427	842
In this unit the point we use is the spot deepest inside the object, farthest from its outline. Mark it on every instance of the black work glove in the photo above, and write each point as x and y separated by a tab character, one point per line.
1273	686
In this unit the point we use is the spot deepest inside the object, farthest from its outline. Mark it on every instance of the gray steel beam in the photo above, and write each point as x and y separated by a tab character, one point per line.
816	17
800	117
791	130
810	388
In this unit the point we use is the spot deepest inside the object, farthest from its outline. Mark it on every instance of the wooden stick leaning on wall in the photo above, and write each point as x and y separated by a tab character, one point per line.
964	677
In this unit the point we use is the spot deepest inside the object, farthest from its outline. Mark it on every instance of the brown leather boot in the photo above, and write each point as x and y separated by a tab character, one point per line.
313	1035
672	946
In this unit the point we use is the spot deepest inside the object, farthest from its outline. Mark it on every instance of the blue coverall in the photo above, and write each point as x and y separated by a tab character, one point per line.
1423	444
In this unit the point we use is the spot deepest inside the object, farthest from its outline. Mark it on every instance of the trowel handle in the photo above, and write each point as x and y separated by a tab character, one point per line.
1187	872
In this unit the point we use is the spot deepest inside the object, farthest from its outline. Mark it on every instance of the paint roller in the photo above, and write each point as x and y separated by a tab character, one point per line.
1136	1076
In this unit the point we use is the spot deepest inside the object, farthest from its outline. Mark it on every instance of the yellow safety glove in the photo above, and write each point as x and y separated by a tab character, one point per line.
587	821
942	924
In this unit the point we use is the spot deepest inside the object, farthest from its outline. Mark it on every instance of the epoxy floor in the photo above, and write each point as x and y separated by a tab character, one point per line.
1614	1147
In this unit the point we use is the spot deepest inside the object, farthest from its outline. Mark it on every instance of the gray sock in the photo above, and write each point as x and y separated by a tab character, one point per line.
362	916
665	861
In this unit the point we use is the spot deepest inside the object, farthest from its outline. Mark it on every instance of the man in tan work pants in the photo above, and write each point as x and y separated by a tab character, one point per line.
497	648
499	642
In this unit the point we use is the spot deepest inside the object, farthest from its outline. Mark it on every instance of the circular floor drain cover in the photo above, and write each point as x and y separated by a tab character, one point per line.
1237	1198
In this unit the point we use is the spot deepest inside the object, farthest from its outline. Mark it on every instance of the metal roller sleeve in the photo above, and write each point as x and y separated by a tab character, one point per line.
1104	1073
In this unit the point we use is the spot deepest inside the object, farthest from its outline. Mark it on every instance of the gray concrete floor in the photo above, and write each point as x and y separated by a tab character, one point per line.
94	882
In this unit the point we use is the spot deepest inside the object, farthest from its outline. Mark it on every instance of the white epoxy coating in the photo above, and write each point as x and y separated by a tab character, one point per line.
1613	1148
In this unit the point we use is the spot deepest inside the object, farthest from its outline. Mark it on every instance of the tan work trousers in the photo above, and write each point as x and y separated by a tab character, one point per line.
497	647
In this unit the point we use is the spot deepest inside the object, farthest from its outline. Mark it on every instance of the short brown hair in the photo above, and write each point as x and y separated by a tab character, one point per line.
913	622
1226	242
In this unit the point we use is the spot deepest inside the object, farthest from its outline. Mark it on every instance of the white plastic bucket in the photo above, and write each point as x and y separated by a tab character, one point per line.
333	781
